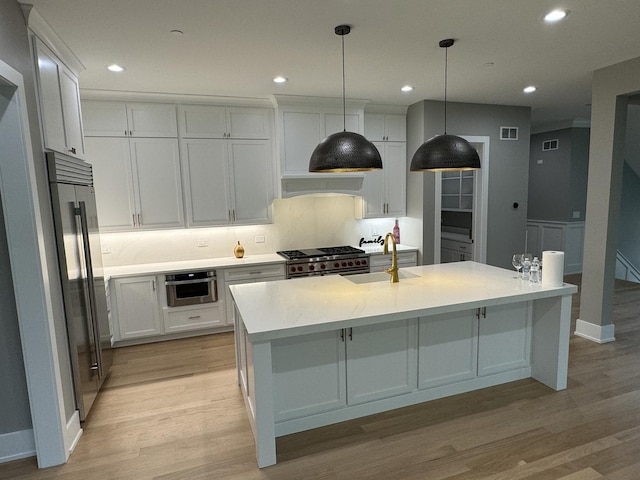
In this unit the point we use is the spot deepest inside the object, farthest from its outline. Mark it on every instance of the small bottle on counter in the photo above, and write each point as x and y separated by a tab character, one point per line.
396	233
535	270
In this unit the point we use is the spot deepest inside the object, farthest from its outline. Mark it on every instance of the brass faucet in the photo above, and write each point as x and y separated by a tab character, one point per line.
393	271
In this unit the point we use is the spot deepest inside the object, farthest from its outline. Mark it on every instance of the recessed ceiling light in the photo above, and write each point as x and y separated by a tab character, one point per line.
556	15
115	68
280	80
407	88
529	89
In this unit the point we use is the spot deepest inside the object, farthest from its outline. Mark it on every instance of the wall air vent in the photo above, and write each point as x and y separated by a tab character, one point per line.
508	133
550	145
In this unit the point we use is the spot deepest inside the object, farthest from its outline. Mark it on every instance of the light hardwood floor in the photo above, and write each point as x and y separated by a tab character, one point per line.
173	410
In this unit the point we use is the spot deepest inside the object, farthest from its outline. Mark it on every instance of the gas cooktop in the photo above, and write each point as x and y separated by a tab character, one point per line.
320	252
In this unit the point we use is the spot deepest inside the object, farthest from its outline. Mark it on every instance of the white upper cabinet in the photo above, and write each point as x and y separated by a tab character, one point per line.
384	191
119	119
380	127
227	181
137	182
205	121
59	98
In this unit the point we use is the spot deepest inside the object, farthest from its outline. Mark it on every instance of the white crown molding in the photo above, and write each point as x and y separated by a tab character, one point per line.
184	99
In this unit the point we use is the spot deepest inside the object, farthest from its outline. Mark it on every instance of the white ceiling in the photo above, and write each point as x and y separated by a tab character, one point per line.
236	47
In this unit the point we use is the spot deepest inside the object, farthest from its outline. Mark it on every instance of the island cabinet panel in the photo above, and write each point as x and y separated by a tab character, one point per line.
308	375
381	361
448	348
504	338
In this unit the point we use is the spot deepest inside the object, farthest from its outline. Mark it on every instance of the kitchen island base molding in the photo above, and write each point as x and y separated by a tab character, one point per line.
351	367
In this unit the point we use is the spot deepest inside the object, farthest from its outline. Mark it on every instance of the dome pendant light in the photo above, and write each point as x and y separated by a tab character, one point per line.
344	151
445	152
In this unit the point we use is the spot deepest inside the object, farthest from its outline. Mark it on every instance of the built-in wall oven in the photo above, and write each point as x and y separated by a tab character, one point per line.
191	288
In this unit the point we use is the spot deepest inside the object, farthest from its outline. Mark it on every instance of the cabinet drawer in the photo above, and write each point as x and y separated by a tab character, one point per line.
457	246
193	318
405	259
254	273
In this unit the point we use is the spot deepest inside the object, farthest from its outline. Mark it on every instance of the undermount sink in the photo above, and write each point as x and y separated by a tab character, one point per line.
377	277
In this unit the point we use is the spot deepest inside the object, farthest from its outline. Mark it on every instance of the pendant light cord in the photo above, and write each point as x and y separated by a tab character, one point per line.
446	65
344	101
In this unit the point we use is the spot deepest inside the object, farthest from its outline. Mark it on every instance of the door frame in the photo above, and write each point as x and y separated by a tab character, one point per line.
53	436
480	202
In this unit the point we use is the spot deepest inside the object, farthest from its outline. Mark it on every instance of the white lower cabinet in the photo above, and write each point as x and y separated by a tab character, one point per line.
380	262
136	307
183	319
321	372
504	338
238	275
448	348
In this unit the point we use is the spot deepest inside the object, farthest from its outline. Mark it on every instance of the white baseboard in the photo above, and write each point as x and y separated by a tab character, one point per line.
17	445
595	333
73	432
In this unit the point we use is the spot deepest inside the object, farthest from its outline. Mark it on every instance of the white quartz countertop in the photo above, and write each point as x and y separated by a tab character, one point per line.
377	249
289	308
188	265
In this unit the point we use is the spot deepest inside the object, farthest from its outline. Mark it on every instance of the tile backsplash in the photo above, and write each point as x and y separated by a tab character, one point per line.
300	222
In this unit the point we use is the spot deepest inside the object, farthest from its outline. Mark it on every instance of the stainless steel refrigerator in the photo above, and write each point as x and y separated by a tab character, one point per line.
83	288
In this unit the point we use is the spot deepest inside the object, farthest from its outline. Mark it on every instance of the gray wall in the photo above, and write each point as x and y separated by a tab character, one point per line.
558	178
508	171
15	413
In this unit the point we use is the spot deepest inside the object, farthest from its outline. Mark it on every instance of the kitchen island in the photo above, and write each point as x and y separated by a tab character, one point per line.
321	350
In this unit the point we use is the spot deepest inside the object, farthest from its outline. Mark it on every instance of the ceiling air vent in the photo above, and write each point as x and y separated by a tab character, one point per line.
550	145
508	133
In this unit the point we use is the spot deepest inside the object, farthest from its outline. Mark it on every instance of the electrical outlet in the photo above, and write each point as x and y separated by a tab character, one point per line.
374	232
539	162
203	243
576	214
106	249
259	238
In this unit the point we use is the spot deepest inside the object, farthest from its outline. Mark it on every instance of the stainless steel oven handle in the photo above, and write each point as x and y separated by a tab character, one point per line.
187	282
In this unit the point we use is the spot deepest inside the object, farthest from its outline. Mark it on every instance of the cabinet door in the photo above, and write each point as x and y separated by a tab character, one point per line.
71	113
373	186
206	176
381	361
395	128
50	98
395	171
251	180
334	122
308	375
104	119
374	127
152	120
248	123
447	350
156	173
301	134
113	181
504	338
137	307
202	121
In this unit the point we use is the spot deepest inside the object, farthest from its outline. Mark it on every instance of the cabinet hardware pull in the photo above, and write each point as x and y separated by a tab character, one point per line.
193	317
125	133
484	312
478	313
255	273
153	285
130	132
139	219
350	334
133	219
342	334
234	215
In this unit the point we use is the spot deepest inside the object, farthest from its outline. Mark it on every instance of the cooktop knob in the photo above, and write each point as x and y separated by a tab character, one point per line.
323	266
336	265
312	267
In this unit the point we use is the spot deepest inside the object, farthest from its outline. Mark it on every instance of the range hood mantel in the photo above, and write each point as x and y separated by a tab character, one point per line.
319	184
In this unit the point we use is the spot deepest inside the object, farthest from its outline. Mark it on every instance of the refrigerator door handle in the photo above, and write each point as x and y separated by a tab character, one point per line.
81	212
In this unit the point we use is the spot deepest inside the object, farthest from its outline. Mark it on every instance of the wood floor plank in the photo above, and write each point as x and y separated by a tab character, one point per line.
173	411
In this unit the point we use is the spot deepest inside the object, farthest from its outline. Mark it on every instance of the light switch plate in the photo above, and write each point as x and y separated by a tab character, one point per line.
106	249
576	214
203	243
259	238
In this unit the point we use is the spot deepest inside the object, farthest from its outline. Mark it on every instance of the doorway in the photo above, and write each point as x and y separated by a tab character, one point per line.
473	219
